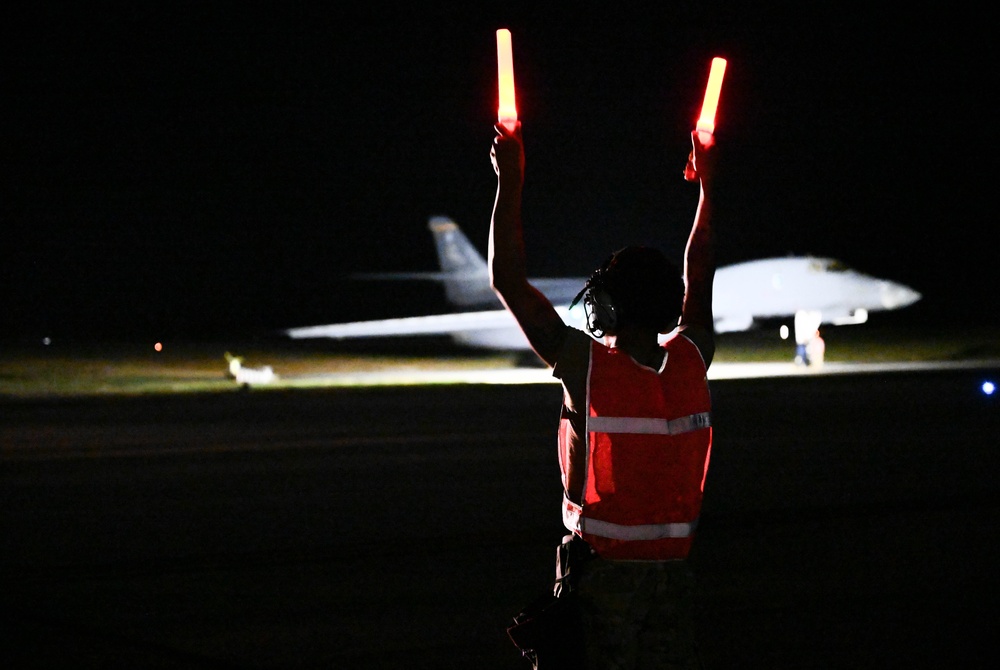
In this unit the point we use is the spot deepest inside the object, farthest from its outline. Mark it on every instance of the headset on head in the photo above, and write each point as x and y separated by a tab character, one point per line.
608	291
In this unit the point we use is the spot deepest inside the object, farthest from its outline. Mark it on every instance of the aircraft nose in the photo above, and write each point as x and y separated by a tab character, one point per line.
896	295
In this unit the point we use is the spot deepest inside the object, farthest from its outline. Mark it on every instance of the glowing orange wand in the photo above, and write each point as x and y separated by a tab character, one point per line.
706	122
507	109
705	126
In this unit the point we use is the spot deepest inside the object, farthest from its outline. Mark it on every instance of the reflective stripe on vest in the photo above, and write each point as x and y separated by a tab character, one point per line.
646	426
648	531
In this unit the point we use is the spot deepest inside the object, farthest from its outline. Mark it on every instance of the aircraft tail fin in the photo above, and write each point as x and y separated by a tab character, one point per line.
464	271
455	251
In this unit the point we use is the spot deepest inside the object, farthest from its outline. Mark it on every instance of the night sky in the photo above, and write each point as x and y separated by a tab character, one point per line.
198	170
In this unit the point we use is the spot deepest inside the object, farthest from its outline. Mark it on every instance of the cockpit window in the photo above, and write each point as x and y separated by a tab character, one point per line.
827	265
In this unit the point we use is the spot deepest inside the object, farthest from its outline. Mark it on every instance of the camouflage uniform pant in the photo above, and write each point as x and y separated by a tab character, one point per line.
637	614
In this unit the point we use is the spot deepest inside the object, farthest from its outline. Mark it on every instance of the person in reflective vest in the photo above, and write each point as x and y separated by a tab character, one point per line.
635	429
648	442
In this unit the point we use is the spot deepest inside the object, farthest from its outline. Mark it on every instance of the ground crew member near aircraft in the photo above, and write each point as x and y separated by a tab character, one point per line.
635	429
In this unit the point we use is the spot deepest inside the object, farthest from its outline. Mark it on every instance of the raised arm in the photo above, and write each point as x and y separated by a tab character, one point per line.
534	313
699	257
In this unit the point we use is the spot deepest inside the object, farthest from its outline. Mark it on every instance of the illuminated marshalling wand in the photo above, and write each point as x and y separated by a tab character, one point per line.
706	122
705	126
507	109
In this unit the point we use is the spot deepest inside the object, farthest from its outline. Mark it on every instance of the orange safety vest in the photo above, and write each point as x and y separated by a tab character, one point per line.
649	438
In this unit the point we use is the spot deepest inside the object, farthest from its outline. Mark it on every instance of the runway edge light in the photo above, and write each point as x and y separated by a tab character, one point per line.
507	108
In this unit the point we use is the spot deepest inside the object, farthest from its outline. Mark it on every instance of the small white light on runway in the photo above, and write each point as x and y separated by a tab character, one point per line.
989	388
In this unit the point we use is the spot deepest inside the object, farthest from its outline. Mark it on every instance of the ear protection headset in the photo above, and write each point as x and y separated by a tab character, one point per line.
602	313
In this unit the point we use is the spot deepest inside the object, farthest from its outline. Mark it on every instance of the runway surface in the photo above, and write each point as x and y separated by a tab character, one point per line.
850	522
539	375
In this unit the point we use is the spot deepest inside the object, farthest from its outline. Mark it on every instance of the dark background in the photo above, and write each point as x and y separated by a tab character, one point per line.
196	170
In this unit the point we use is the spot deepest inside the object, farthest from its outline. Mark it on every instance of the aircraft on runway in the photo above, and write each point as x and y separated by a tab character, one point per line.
744	293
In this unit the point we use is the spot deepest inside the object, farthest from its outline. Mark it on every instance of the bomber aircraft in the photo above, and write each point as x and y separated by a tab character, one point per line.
744	293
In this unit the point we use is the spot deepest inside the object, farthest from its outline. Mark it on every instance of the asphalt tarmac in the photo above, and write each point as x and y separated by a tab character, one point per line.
850	521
